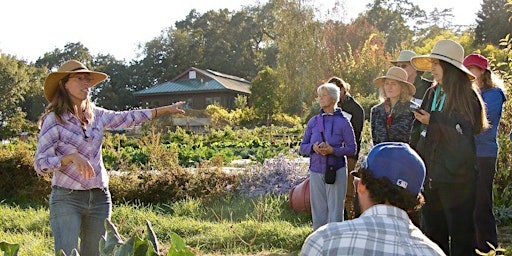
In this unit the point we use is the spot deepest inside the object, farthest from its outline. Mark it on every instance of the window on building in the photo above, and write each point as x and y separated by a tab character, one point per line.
212	100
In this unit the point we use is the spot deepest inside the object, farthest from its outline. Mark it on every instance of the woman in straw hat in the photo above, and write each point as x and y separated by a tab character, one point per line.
492	91
443	133
391	120
69	147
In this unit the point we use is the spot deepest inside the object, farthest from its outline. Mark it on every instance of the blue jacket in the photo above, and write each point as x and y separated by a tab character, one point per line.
338	133
486	144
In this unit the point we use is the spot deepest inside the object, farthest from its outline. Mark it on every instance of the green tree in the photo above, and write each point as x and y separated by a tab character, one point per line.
16	78
116	93
391	17
492	22
266	93
53	60
301	52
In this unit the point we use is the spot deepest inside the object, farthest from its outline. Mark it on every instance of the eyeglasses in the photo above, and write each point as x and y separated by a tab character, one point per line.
82	79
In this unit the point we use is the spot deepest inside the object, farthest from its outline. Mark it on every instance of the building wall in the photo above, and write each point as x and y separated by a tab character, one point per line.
194	101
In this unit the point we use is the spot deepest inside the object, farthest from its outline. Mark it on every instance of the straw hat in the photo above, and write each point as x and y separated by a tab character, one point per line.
398	74
446	50
476	60
404	56
51	84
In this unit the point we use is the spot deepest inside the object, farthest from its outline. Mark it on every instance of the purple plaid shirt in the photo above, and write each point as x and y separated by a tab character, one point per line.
56	140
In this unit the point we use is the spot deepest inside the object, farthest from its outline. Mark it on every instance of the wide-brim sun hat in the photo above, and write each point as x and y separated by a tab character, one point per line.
476	60
404	56
446	50
51	84
398	74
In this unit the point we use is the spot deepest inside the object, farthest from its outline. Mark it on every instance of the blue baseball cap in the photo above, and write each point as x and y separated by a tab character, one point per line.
398	162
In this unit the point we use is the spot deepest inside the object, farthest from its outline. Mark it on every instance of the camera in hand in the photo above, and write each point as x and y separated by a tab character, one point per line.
414	106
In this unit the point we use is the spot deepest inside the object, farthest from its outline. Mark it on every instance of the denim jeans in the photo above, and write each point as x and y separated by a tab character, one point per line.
78	214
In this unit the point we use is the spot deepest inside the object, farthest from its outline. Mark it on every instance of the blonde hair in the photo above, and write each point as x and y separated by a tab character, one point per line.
405	94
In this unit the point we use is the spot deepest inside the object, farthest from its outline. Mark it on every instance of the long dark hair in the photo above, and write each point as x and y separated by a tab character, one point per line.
461	94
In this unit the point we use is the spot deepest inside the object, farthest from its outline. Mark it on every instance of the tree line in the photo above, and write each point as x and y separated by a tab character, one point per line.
285	47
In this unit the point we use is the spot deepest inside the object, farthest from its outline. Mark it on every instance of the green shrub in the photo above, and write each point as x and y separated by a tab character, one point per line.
18	179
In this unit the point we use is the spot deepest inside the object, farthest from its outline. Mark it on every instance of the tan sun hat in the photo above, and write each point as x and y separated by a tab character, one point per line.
51	84
398	74
446	50
404	56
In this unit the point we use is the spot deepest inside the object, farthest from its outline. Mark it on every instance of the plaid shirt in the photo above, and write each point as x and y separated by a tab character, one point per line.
381	230
56	140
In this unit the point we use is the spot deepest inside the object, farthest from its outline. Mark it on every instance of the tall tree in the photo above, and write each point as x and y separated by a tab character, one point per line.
301	52
392	17
266	93
53	60
16	79
493	22
116	93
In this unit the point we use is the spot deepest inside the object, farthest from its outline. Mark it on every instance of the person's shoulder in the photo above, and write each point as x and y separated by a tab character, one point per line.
344	227
376	107
313	119
497	91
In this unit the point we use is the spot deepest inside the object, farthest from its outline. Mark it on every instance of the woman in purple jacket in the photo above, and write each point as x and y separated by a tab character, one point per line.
328	138
491	89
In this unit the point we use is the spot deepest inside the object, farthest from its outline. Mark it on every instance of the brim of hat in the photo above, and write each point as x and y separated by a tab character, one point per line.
424	63
379	81
394	62
51	84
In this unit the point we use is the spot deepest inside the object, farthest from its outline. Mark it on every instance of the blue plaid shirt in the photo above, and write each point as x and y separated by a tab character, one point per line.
381	230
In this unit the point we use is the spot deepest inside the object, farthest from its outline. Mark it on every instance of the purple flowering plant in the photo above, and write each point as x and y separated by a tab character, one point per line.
277	175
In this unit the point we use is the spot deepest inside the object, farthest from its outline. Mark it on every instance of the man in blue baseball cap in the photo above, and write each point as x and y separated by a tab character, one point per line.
389	186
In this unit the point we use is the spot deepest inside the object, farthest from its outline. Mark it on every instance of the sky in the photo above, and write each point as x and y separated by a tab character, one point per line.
30	28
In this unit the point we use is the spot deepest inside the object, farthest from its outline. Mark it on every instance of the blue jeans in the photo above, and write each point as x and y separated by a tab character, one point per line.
78	214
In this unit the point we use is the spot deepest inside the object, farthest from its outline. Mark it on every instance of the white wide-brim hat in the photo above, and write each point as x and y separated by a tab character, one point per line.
446	50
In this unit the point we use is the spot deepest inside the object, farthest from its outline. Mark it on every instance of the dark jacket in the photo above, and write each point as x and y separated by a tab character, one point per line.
421	85
401	122
351	106
448	148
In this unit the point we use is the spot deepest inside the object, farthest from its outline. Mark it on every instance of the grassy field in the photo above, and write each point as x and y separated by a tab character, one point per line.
230	226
